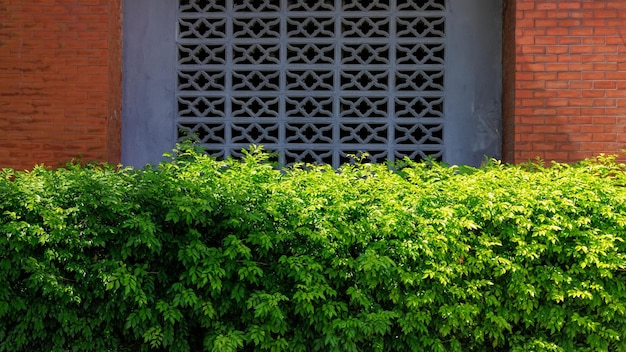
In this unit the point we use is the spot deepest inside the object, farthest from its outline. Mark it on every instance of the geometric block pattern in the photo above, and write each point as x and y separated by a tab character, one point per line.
314	81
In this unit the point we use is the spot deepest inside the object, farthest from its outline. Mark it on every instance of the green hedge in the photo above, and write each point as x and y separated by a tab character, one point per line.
205	255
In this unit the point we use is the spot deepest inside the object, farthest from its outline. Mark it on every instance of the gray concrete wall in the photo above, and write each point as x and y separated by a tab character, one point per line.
149	78
473	82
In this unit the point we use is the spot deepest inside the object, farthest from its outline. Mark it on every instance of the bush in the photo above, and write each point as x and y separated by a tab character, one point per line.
204	255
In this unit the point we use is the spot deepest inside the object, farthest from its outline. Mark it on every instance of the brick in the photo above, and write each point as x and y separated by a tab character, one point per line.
568	40
593	129
559	31
604	84
525	93
615	93
605	67
526	41
534	14
586	84
569	5
604	137
530	30
547	23
593	58
533	102
619	59
556	102
604	121
565	23
530	85
522	145
546	59
605	49
557	85
581	49
594	4
572	146
541	76
544	111
570	129
569	93
556	67
561	14
593	93
545	146
615	4
540	130
615	110
525	6
605	13
533	49
533	120
557	50
596	40
580	31
569	75
592	111
544	41
580	120
593	76
534	137
556	138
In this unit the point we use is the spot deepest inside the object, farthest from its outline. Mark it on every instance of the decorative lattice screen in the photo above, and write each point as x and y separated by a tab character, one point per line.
313	80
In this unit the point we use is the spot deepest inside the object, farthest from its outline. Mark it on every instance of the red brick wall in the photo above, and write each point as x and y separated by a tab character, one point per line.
60	81
567	100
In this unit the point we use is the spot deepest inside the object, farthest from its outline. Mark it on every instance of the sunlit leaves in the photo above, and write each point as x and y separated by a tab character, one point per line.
196	254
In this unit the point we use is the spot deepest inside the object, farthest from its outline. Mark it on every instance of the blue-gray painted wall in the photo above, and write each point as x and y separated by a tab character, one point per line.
473	108
149	78
472	79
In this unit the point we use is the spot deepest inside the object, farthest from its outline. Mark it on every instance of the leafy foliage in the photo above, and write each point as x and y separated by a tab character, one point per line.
197	254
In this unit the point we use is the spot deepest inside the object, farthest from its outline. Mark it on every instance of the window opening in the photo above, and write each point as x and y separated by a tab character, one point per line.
313	80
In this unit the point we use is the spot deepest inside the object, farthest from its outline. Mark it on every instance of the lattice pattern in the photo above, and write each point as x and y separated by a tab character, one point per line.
314	80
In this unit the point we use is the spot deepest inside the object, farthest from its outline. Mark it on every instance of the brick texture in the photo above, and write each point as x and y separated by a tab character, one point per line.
60	81
564	79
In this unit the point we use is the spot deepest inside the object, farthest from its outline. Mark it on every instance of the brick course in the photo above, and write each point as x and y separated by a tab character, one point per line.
60	81
564	79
